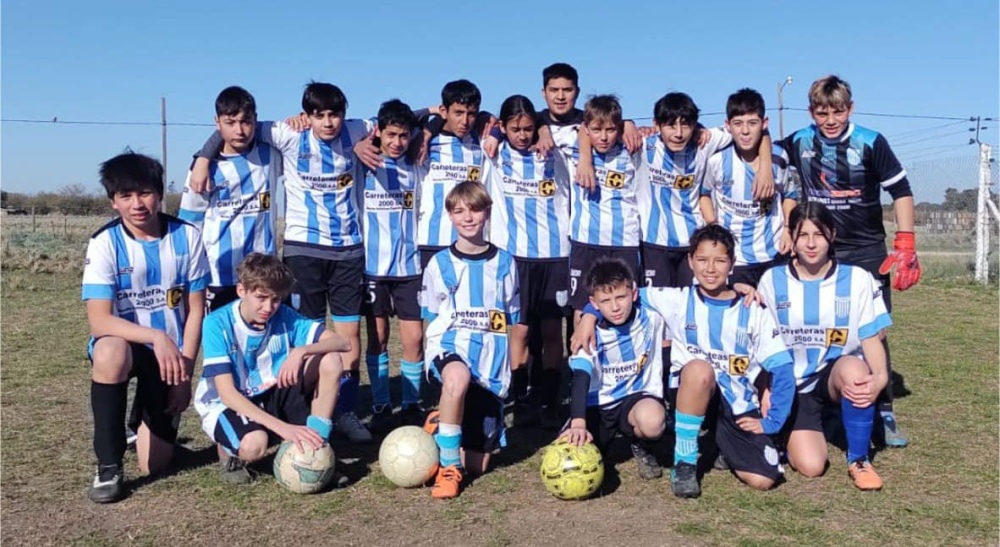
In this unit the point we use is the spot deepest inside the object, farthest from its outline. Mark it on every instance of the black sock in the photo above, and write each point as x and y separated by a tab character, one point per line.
550	386
519	382
108	402
665	353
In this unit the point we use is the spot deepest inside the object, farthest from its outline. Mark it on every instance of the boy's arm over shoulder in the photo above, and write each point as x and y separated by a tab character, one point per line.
279	135
193	205
665	301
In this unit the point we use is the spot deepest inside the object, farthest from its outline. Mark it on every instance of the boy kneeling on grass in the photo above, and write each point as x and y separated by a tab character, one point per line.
268	370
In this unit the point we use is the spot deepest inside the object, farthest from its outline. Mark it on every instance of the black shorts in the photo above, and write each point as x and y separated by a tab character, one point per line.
665	266
151	392
582	257
745	451
751	273
426	254
216	297
605	423
318	282
870	259
807	408
393	297
543	285
482	418
290	404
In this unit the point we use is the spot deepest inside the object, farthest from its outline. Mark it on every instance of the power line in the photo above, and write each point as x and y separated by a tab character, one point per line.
910	116
930	138
903	136
55	121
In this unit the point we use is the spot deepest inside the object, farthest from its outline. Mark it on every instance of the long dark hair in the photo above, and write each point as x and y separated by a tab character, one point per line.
818	214
516	105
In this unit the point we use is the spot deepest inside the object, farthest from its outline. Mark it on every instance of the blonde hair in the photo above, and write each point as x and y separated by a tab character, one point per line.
261	271
829	91
472	193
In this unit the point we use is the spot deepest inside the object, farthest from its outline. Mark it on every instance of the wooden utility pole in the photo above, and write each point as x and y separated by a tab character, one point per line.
163	137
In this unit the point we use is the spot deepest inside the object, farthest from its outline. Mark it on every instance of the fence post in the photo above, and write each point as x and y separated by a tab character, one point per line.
983	216
32	218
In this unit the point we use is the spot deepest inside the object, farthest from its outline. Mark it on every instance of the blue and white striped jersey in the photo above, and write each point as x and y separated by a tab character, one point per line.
669	186
738	341
823	319
236	218
321	195
608	216
757	226
628	359
451	160
469	303
146	280
253	357
530	217
389	217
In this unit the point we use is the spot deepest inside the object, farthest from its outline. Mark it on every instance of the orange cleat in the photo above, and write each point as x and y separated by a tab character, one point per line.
864	476
431	423
447	483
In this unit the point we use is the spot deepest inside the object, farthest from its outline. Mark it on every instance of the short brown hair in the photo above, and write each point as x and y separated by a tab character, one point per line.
261	271
830	91
603	108
472	193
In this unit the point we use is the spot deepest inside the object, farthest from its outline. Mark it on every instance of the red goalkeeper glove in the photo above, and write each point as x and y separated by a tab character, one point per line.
904	256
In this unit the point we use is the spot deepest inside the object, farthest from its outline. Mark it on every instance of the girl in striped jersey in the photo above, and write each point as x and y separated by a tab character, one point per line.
392	263
832	316
530	220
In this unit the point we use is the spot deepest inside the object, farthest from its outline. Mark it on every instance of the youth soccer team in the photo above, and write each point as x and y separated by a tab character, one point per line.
712	280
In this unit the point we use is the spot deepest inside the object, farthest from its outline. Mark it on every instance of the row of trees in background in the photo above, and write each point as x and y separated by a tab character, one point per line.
75	199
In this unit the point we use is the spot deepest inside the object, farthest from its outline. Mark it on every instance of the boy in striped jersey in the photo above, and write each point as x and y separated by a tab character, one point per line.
454	155
392	263
721	347
843	166
235	217
144	284
619	387
470	299
322	242
758	225
604	221
269	371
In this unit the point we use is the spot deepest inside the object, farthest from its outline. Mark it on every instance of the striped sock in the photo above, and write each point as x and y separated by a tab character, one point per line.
378	376
858	427
449	440
686	445
412	371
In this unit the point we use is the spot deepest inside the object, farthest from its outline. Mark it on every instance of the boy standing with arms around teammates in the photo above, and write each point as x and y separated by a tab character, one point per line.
843	166
392	263
144	285
470	298
235	218
269	371
758	225
322	243
619	387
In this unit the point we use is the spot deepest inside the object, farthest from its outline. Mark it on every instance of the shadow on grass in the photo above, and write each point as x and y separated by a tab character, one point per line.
185	459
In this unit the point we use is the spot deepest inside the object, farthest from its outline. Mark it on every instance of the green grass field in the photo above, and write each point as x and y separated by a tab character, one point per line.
942	490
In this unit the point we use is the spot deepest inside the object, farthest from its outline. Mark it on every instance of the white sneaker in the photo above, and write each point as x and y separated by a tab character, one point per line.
349	425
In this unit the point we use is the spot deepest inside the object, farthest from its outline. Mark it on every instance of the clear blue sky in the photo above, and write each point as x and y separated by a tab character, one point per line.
112	61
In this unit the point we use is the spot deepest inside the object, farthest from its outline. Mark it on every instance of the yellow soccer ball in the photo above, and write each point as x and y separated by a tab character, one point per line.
571	472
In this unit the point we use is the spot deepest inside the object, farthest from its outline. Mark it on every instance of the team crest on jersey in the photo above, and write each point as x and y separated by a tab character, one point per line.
345	180
174	297
265	201
836	337
853	157
842	307
615	179
498	321
472	173
683	182
738	364
546	188
408	199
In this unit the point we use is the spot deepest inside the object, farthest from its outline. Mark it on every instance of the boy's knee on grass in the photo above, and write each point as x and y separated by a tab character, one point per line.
455	379
755	481
253	446
331	367
698	375
648	419
112	359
